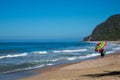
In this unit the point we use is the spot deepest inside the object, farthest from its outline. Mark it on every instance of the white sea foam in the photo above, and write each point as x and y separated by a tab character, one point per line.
14	55
56	51
50	64
70	50
40	52
108	52
75	58
60	59
116	49
89	55
28	68
40	66
22	69
72	58
84	57
66	58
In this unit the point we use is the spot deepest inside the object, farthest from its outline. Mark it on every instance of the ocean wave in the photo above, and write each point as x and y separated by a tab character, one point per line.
22	69
40	52
14	55
59	59
116	49
108	52
89	55
83	57
70	50
28	68
73	58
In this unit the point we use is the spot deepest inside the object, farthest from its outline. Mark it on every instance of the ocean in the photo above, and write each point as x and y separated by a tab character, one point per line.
21	56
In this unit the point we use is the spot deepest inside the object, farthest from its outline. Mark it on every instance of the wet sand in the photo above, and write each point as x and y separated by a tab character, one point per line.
107	68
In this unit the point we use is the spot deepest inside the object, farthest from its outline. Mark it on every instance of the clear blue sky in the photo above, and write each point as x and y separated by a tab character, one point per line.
52	20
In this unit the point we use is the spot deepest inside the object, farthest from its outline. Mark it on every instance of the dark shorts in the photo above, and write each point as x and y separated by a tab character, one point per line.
102	54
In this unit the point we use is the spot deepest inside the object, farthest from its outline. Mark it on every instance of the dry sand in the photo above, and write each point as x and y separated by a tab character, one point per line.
107	68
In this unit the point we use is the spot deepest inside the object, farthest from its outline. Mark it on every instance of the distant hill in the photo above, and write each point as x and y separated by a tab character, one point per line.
108	30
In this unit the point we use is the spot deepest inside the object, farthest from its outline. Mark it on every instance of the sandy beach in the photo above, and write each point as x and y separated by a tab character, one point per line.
107	68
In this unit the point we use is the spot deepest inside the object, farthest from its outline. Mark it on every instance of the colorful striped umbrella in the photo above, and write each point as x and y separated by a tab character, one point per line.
100	45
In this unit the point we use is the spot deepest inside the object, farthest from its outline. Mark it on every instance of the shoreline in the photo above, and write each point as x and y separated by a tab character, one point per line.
80	70
39	71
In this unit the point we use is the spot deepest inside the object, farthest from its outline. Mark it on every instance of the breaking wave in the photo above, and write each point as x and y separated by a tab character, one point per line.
14	55
27	68
74	58
89	55
40	52
70	50
40	55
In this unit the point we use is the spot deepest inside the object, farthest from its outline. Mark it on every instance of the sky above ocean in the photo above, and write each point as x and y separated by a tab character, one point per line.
52	20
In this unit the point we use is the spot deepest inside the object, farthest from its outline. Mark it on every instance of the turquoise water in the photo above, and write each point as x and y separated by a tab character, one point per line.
24	56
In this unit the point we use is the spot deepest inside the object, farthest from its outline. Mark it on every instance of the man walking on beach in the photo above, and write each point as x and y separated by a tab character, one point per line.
102	53
100	48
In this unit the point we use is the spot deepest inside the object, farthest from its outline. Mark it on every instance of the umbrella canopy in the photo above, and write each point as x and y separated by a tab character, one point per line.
100	45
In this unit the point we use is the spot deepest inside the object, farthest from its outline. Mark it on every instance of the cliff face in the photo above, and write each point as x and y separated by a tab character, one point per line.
108	30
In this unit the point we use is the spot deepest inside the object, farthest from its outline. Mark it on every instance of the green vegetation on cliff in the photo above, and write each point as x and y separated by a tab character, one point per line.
108	30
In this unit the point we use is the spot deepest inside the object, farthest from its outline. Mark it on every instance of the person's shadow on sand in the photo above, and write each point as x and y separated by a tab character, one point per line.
108	73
